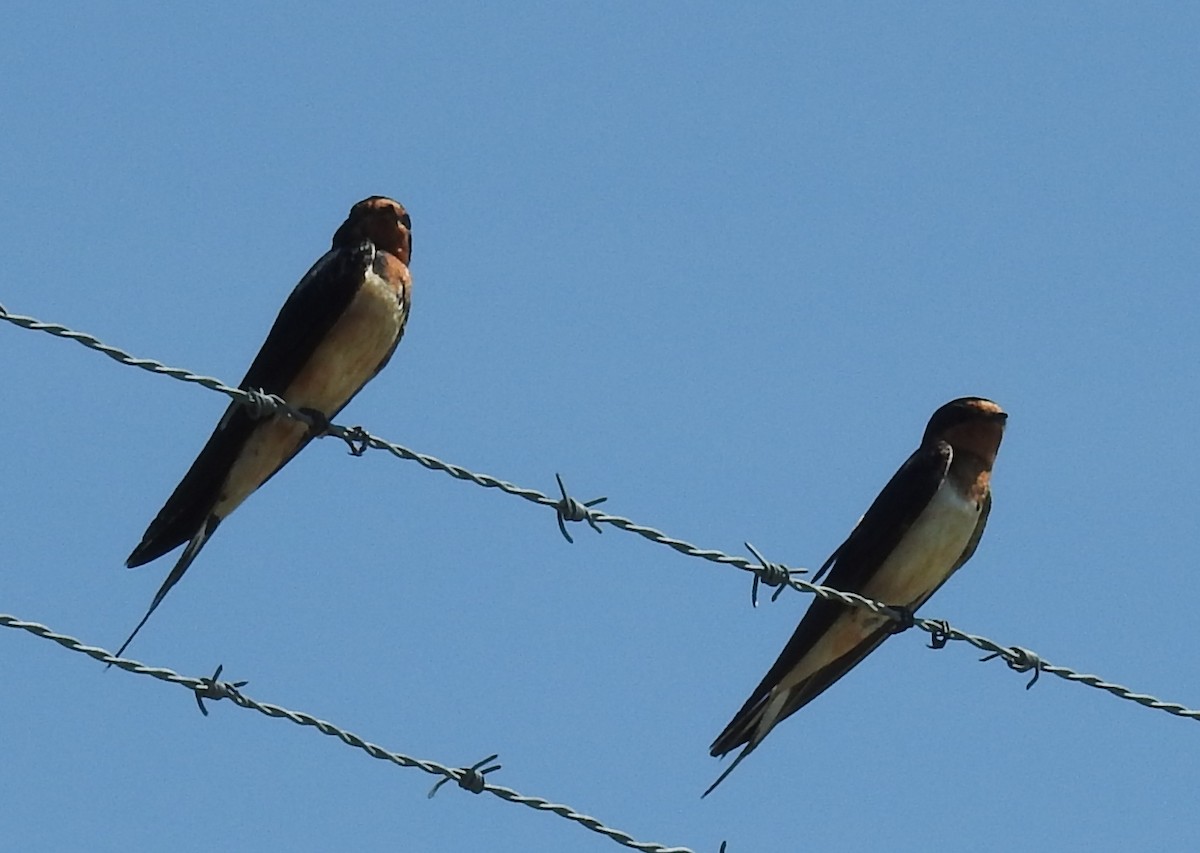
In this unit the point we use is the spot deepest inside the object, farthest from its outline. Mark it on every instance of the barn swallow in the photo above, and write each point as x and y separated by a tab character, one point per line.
924	525
337	329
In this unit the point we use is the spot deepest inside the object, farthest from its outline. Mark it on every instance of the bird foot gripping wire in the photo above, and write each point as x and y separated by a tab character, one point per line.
356	437
569	509
471	778
214	688
904	619
1020	660
769	574
263	405
318	422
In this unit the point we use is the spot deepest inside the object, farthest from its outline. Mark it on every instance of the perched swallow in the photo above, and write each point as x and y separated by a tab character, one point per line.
924	525
337	330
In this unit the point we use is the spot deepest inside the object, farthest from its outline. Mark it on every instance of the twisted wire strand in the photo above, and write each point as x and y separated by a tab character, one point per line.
772	574
265	403
211	688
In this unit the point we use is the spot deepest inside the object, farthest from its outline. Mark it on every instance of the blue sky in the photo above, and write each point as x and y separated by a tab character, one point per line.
718	264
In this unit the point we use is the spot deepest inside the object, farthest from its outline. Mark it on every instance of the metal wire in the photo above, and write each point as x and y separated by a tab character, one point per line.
568	509
213	688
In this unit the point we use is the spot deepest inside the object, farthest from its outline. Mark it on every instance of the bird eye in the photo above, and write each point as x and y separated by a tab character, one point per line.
405	221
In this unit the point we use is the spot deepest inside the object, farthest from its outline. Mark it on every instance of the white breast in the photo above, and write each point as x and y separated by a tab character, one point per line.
920	564
352	350
926	555
344	361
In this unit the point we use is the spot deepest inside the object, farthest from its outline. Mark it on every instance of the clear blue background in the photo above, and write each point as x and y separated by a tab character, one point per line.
717	263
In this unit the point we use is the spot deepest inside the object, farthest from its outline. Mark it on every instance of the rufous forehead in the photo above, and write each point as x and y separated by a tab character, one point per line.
985	407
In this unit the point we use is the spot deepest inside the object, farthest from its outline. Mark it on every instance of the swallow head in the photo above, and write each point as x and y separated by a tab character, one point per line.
970	424
381	221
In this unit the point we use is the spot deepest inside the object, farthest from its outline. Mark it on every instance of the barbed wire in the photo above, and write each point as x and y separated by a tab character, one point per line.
469	778
568	509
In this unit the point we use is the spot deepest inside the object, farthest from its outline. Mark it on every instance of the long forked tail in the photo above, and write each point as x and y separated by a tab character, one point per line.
749	748
749	726
185	560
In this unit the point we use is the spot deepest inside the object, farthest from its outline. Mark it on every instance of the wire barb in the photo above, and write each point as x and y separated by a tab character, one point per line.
469	778
768	574
357	438
939	633
1019	660
569	509
214	688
